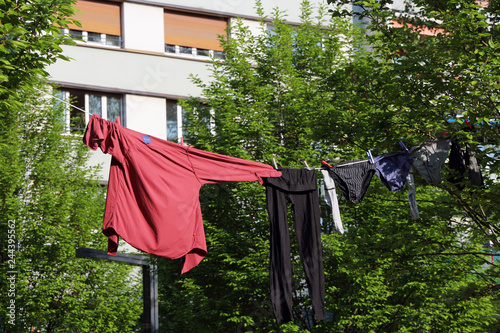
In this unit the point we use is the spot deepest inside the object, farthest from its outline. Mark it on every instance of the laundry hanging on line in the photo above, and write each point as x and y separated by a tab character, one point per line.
153	191
430	157
299	188
395	170
153	199
141	163
392	168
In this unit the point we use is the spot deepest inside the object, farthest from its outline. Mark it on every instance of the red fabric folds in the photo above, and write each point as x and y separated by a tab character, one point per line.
153	191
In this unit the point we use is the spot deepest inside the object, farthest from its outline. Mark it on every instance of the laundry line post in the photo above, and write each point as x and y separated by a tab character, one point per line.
149	282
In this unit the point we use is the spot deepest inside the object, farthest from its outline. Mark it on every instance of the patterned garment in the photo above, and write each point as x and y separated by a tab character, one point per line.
353	178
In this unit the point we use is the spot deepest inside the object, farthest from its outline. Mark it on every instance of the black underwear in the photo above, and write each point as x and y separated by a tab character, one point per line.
353	178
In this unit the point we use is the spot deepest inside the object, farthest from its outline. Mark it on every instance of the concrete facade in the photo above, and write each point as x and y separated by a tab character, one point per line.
139	70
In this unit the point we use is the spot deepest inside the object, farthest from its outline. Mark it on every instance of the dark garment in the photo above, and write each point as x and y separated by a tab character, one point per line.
429	159
459	161
475	175
393	168
412	196
297	187
456	164
353	178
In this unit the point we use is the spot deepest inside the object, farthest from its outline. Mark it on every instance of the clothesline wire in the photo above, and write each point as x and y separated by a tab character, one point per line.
351	163
62	100
354	143
354	162
274	162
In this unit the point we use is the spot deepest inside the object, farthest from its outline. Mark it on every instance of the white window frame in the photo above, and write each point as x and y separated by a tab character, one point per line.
85	38
104	106
65	97
180	127
193	54
180	124
178	119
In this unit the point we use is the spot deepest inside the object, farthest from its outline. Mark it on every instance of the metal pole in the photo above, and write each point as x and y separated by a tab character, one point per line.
149	283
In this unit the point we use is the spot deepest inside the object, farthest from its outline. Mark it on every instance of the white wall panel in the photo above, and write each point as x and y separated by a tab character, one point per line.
129	71
143	27
243	7
147	115
98	158
254	26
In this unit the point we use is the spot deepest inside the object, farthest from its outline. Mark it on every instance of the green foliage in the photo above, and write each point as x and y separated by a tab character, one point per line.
269	88
51	203
30	39
235	268
57	207
417	85
307	93
396	275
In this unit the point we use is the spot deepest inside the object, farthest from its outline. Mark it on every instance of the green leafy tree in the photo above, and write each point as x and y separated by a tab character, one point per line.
30	39
261	104
418	87
58	208
321	91
424	86
51	203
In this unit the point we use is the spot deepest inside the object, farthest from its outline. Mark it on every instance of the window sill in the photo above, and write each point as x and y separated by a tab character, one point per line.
152	53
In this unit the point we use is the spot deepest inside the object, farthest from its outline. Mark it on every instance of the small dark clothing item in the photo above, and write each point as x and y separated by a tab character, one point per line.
353	178
393	168
429	159
460	160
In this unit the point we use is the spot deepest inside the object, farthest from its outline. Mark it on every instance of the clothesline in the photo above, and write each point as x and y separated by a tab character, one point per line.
273	160
62	100
165	176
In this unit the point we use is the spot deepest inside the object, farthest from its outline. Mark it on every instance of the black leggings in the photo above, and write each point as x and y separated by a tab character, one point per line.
299	188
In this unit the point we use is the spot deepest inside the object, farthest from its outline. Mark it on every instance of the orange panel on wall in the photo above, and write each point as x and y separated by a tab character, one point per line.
96	16
194	30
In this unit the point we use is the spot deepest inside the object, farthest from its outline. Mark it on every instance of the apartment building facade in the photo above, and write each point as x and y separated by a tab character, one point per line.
134	58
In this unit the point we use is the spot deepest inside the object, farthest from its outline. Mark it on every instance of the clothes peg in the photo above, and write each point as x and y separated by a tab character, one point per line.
118	121
370	157
325	163
401	143
275	165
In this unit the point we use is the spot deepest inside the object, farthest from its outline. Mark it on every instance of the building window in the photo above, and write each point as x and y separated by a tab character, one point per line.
101	23
174	121
196	35
82	104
